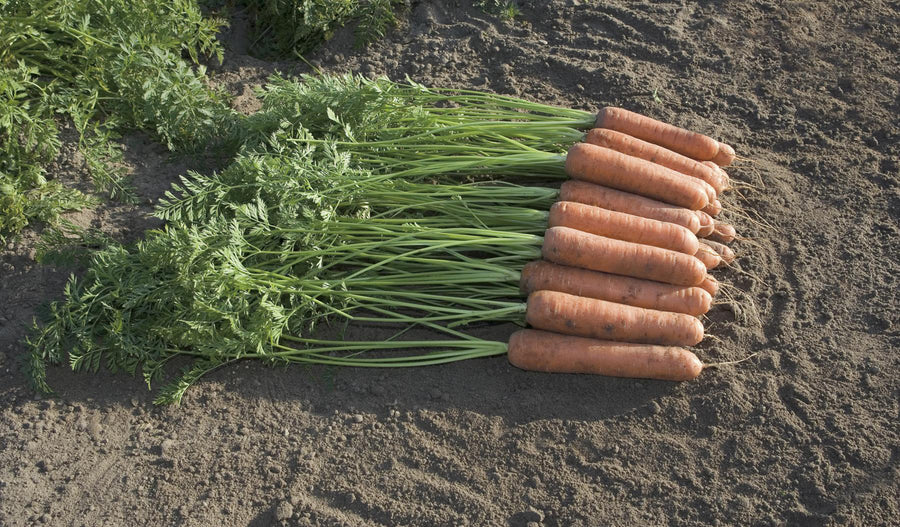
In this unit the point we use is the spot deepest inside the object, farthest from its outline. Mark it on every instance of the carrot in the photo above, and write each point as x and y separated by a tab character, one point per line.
722	233
633	146
590	317
707	224
541	275
714	208
567	246
723	250
536	350
611	199
708	256
604	166
685	142
722	174
621	226
725	156
710	285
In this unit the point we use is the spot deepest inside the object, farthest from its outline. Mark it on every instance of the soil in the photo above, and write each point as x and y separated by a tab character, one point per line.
804	433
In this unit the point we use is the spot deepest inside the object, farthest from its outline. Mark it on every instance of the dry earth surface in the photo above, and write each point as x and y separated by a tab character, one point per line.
805	433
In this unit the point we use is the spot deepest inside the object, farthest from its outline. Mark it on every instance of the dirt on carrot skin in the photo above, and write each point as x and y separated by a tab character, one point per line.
804	434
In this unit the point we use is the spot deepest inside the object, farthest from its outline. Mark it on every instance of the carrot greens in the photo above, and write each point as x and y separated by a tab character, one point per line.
103	67
350	201
253	260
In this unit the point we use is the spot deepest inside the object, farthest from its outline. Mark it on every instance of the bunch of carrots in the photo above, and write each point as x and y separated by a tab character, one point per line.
626	255
405	207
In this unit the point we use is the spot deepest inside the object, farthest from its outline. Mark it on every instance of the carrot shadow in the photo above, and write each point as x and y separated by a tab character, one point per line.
489	386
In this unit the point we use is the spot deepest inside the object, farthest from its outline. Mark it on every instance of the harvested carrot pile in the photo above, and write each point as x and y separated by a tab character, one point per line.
406	207
623	275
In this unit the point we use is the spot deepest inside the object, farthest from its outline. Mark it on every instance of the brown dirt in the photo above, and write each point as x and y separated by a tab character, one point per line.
804	434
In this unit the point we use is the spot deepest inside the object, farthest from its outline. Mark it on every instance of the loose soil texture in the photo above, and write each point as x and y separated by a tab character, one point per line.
805	433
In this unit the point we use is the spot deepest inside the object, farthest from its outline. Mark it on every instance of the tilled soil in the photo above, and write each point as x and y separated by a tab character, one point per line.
804	433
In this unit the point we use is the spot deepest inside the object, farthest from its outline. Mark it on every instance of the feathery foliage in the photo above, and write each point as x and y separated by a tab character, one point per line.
275	246
68	244
106	65
414	131
345	204
286	27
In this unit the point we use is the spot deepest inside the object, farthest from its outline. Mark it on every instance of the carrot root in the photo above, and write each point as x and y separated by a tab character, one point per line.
725	252
633	146
707	224
725	156
722	233
708	256
543	351
621	226
714	208
628	203
710	285
685	142
542	275
605	166
571	247
590	317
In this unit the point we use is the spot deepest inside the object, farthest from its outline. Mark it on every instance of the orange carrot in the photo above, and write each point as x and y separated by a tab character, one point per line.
590	317
604	166
707	224
633	146
536	350
567	246
714	208
722	233
710	285
621	226
685	142
725	156
708	256
722	174
541	275
611	199
723	250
